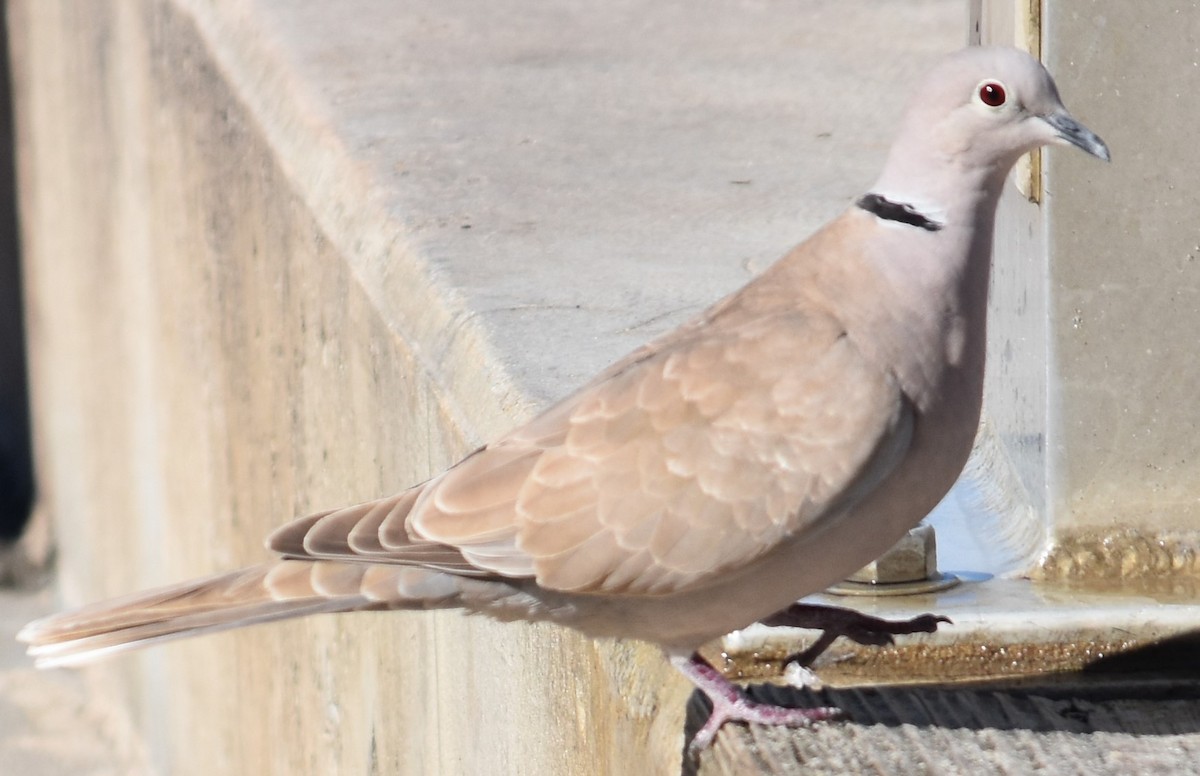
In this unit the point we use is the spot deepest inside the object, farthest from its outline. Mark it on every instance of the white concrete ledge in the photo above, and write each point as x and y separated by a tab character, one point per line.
567	181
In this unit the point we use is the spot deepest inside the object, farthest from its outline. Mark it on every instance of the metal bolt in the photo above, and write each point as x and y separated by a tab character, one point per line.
911	559
908	568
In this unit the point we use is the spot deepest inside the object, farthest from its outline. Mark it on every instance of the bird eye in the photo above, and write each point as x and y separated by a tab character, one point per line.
992	94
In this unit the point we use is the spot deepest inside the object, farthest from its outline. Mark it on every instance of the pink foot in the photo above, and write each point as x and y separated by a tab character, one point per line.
730	704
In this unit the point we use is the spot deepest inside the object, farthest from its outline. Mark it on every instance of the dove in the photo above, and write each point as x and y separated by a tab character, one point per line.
767	448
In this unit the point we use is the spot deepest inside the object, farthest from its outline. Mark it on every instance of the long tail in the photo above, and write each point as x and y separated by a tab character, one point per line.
274	591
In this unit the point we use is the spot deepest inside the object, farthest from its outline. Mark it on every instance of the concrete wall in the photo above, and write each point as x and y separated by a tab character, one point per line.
1125	284
1092	367
210	358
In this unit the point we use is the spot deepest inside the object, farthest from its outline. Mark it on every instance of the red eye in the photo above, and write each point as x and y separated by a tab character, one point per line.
992	93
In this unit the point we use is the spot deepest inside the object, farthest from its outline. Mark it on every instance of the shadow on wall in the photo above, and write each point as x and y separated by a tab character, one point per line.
16	467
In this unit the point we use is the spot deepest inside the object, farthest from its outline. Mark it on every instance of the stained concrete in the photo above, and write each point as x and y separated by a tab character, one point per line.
52	723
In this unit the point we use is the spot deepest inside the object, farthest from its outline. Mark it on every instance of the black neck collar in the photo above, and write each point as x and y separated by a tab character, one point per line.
900	212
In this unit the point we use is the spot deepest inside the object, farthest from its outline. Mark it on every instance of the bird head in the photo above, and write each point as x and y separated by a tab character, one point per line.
974	114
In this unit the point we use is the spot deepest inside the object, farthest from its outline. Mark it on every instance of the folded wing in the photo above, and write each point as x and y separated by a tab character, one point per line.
682	462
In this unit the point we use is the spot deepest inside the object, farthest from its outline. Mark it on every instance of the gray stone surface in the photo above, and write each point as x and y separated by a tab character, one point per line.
579	176
51	722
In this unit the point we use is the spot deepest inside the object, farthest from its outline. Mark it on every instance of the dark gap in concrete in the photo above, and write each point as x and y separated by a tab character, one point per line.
16	459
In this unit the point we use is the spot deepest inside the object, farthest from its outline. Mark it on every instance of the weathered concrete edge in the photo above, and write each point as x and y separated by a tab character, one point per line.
478	393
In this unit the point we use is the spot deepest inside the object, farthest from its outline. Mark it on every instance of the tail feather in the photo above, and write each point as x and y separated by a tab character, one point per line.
274	591
88	649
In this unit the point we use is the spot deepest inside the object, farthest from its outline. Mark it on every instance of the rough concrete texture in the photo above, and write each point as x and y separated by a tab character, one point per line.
1069	728
1124	286
209	362
1091	379
53	723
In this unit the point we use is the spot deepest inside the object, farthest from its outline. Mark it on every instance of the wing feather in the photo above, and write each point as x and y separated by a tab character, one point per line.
685	460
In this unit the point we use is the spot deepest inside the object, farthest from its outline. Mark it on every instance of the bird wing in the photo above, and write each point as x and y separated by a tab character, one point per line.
691	457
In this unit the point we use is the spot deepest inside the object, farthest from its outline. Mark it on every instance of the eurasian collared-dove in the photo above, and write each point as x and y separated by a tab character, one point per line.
762	451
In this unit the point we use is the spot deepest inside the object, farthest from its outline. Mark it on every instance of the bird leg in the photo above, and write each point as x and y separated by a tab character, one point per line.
834	621
730	704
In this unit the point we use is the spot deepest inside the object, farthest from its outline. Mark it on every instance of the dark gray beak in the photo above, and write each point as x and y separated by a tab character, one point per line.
1071	131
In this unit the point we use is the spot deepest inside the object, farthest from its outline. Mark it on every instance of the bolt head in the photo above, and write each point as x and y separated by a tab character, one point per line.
912	559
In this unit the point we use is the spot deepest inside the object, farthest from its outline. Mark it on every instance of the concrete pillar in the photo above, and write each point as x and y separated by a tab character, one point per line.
1092	373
